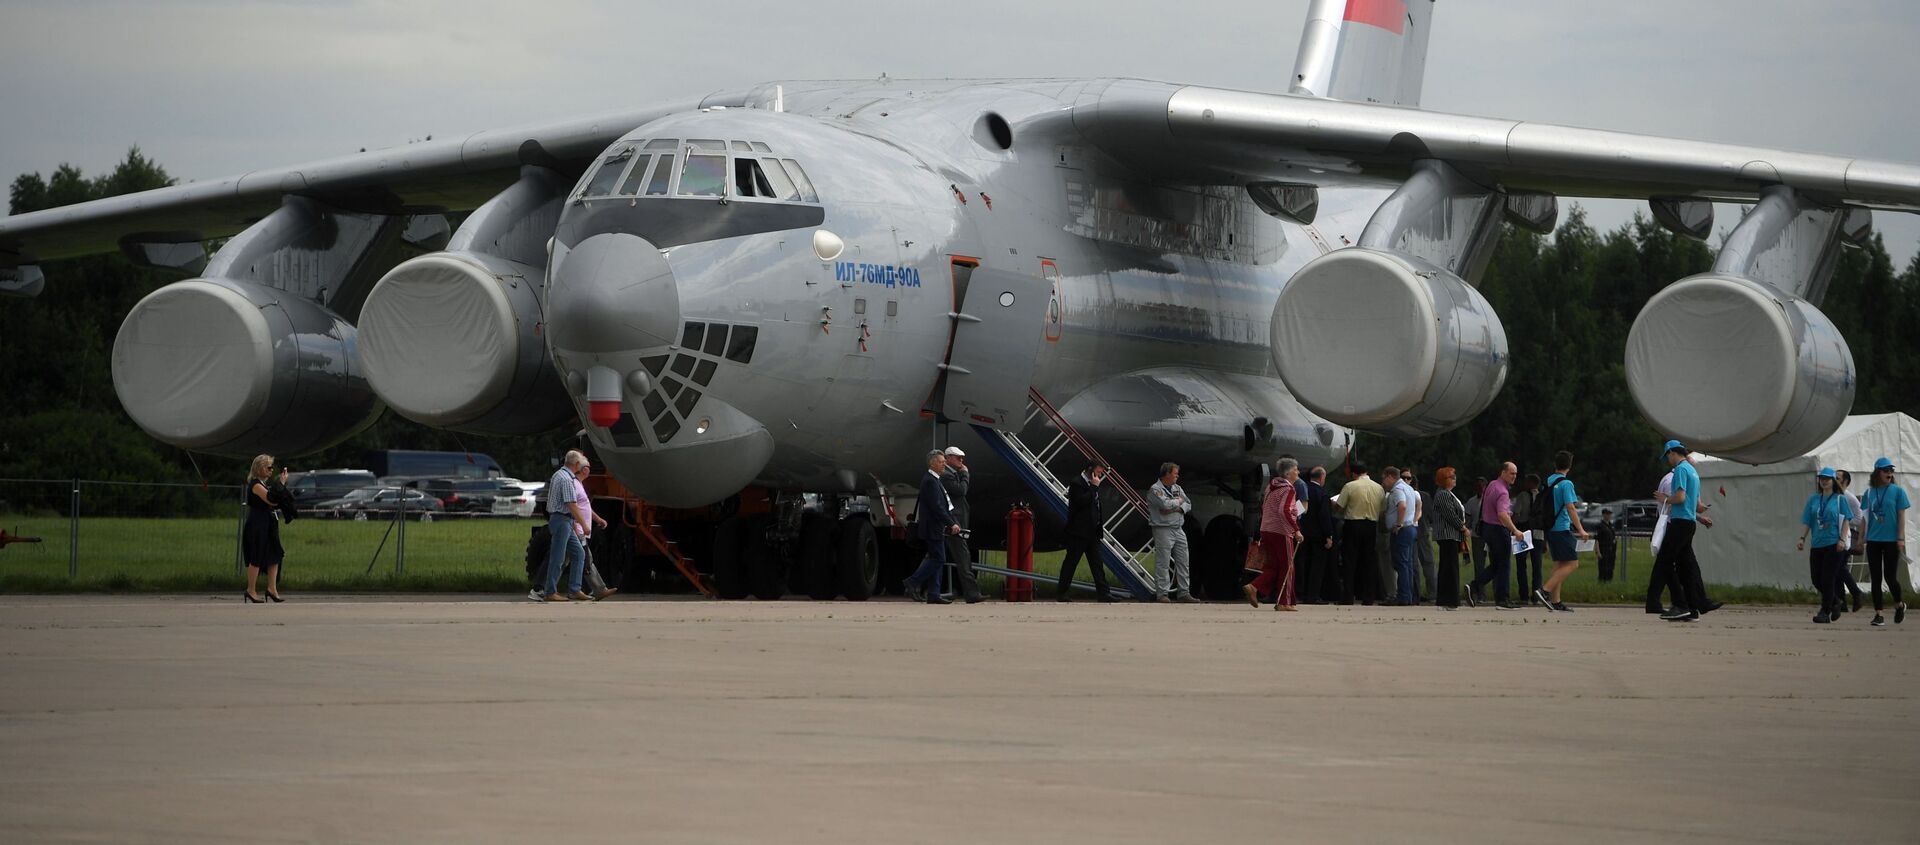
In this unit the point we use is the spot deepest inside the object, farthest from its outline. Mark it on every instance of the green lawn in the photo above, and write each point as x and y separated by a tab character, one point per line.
127	554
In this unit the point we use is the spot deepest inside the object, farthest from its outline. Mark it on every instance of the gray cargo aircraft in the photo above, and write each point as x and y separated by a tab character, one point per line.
803	286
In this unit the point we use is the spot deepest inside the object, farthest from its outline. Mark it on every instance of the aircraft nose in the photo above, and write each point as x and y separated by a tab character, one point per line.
613	293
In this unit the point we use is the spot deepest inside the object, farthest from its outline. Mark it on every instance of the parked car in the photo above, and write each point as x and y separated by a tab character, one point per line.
315	486
1636	516
378	501
1590	515
518	498
461	495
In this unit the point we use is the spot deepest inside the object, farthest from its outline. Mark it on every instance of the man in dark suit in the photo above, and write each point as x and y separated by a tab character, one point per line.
1317	527
934	523
956	478
1083	533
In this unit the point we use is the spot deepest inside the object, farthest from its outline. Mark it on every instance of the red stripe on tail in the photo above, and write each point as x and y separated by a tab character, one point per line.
1390	15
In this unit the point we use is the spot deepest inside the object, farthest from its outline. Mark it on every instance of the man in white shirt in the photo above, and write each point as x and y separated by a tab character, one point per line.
1403	525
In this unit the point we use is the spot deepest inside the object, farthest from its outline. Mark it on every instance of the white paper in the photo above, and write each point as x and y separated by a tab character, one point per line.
1523	543
1585	545
1299	507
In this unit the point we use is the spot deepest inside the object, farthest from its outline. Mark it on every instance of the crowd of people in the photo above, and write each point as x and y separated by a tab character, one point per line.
1317	547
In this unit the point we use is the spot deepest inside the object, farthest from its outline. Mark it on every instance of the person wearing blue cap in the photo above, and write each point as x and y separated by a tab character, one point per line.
1675	563
1886	507
1823	516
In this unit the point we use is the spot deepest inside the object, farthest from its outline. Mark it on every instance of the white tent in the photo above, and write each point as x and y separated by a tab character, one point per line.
1756	509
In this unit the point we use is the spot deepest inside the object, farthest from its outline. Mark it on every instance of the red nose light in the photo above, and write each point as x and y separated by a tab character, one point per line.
603	414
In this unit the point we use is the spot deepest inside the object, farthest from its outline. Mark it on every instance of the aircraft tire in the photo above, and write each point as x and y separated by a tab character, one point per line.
729	559
766	571
817	557
1224	555
857	559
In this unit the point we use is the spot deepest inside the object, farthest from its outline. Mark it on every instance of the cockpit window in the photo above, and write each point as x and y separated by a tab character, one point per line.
776	177
750	181
662	177
741	147
705	176
760	147
608	174
637	176
706	144
801	181
664	144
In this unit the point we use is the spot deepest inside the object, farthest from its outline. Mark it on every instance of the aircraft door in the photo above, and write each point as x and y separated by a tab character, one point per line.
998	329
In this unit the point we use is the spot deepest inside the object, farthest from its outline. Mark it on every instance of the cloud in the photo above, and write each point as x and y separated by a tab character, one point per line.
215	87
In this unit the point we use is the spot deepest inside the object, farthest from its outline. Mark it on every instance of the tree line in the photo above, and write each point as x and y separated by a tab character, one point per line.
1567	302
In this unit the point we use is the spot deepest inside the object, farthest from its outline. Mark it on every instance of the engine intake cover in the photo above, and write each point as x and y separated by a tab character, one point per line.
1739	369
453	340
236	368
1388	343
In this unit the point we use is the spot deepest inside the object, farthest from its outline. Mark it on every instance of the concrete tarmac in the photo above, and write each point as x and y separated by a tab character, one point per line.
482	719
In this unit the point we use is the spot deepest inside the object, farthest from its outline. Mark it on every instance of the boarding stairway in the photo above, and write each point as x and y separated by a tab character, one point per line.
1129	566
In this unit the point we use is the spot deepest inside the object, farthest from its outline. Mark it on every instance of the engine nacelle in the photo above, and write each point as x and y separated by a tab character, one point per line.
237	368
1739	369
453	340
1387	342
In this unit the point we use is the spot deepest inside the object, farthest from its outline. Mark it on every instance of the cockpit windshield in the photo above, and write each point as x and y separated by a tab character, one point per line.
698	167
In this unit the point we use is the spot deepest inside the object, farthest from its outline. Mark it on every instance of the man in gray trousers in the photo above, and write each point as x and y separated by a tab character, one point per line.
1167	507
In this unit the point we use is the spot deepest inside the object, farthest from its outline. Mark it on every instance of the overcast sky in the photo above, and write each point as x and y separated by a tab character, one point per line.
218	87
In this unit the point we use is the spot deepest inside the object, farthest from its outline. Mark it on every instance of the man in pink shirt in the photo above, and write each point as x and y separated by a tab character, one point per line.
1497	533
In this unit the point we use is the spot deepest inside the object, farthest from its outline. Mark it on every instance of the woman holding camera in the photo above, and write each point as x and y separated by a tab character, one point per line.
260	537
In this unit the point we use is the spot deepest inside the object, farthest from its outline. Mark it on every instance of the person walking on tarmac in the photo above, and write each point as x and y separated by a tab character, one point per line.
1083	533
1168	517
934	521
1886	507
1675	564
1279	537
956	479
1561	531
1827	511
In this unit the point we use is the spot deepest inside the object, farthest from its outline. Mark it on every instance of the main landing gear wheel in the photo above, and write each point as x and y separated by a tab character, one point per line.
729	559
766	572
817	556
857	562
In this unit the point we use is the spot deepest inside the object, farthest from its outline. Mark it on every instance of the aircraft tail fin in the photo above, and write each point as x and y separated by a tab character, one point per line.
1364	51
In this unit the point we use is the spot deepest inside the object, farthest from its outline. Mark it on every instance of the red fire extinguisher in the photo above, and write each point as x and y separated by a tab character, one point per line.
1020	551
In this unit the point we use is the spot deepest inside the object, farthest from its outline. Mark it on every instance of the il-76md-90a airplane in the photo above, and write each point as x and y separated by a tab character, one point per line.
802	286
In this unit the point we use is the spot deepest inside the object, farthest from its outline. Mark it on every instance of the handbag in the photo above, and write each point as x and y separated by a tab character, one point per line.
1256	558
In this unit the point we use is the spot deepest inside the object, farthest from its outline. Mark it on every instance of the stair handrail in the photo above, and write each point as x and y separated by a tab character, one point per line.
1072	434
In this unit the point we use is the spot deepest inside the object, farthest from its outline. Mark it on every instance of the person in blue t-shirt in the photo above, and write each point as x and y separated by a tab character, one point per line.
1826	510
1560	535
1675	562
1886	505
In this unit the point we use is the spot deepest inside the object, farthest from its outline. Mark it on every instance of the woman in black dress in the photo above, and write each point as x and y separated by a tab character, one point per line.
260	539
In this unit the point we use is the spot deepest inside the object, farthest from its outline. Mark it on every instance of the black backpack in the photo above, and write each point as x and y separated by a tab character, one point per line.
1543	516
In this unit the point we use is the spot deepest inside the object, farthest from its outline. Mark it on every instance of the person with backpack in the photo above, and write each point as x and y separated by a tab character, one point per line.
1561	531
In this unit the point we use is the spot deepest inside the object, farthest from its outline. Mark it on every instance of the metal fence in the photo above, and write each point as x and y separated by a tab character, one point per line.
78	533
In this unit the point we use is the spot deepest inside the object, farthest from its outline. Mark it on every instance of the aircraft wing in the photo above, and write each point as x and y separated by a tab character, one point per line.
448	175
1169	129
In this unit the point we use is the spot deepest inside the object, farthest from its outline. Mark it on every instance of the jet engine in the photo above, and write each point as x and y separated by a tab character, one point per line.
455	339
237	368
1739	368
1739	362
1387	342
